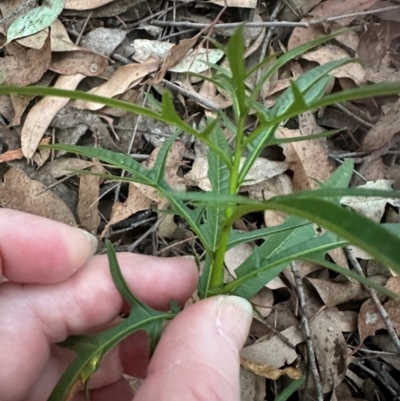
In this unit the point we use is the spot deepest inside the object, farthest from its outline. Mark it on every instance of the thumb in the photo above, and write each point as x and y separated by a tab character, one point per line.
198	355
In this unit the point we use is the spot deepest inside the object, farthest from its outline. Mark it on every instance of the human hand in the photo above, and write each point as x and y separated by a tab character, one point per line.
56	289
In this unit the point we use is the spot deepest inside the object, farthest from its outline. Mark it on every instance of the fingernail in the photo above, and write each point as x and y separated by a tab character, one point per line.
234	317
190	257
92	240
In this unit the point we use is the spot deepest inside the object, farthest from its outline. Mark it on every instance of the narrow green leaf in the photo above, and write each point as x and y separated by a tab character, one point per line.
157	172
219	174
341	177
323	134
205	278
235	52
290	389
118	278
140	175
91	349
358	230
292	54
255	272
285	104
239	237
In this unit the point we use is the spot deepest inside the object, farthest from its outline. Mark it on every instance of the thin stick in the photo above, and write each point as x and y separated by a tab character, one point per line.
195	96
144	235
385	317
307	330
274	24
268	37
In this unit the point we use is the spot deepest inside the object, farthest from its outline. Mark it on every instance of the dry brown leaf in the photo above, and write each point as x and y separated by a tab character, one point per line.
125	77
35	41
89	192
374	44
261	170
328	53
384	130
369	319
64	166
43	112
60	41
307	159
334	8
78	62
263	302
176	54
333	293
19	192
135	202
20	104
27	67
85	4
330	349
252	387
268	358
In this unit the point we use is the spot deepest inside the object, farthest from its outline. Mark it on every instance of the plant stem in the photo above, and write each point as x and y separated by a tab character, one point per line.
217	274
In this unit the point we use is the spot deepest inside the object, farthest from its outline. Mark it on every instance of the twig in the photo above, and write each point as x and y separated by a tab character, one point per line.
195	96
268	37
385	317
274	24
17	11
352	115
307	331
78	39
144	235
376	376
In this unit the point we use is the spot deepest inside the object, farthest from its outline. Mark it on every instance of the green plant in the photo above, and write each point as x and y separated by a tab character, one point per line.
211	215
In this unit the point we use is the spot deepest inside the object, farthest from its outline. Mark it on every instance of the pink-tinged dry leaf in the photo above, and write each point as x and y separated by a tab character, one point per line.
19	192
89	192
27	67
328	53
175	56
78	62
125	77
135	202
270	358
369	319
43	112
85	4
384	130
11	155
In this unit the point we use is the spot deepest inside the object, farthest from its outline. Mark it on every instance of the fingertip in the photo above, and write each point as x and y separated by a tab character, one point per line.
198	354
34	249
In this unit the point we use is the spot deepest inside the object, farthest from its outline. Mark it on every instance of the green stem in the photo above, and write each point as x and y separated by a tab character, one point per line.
217	274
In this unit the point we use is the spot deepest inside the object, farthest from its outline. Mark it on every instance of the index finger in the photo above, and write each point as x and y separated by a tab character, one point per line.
34	249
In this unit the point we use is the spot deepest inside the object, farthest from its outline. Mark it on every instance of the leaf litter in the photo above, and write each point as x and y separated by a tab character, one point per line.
107	50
